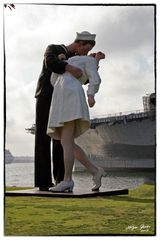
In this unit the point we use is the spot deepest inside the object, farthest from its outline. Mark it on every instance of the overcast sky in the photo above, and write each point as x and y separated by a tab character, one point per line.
124	33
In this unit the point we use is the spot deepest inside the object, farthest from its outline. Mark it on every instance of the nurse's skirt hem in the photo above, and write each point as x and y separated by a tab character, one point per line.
81	126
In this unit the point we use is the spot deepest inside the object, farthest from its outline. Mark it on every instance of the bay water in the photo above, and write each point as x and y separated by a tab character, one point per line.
22	175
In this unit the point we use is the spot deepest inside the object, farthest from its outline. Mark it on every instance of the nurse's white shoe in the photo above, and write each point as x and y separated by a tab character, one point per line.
97	179
64	186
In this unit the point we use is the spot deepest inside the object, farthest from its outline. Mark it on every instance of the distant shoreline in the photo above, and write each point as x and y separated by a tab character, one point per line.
23	159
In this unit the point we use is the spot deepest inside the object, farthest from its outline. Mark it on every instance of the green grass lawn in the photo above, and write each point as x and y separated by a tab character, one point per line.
132	214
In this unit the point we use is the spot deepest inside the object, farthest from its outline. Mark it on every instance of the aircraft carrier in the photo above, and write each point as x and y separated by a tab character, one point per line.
122	140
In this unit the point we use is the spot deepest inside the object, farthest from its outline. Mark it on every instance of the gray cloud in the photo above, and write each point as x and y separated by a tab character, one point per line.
131	29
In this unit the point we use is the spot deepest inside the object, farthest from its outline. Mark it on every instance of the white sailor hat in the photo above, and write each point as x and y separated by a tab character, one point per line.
85	36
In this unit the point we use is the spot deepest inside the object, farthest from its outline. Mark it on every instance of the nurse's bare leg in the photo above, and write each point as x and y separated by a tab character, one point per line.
97	172
67	141
82	158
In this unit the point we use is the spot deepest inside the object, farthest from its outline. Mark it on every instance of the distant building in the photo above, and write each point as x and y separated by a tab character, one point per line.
8	156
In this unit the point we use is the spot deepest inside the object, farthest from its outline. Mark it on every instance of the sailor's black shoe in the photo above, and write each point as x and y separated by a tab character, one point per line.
45	188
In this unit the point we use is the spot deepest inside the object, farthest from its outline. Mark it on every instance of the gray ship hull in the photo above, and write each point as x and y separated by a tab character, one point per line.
123	143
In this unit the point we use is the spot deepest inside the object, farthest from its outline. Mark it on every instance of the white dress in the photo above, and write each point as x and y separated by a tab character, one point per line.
68	99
